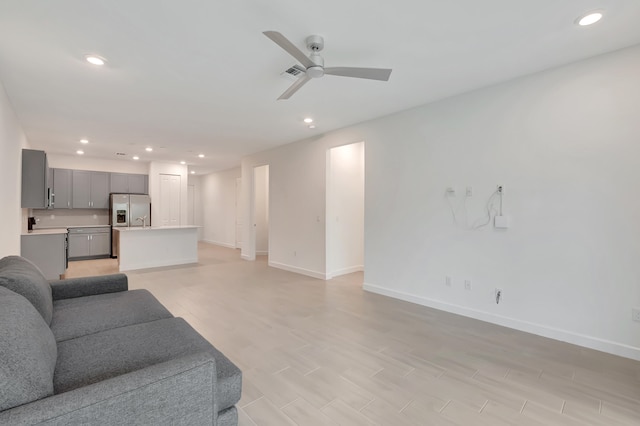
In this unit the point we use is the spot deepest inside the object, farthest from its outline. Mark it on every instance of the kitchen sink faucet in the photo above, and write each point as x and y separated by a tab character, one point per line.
143	219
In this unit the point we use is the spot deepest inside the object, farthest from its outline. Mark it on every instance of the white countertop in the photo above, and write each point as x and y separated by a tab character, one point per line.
89	226
153	228
46	231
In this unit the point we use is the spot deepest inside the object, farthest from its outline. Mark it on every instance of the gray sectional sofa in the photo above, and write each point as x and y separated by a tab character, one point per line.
89	351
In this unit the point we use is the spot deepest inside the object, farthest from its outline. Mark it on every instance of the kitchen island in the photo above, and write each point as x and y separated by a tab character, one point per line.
154	246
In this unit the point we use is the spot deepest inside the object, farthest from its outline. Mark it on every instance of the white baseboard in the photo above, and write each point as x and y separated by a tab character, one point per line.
345	271
529	327
262	252
297	270
158	264
220	243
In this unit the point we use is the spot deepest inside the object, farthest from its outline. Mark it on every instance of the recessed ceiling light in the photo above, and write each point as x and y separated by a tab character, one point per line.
84	141
201	155
589	19
79	152
183	162
148	149
308	120
312	126
135	157
192	172
95	60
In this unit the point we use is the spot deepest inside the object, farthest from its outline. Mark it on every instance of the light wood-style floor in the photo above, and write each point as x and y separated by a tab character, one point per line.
326	352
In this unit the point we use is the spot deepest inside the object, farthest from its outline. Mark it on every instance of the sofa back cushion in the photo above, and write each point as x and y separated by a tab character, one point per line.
23	277
28	352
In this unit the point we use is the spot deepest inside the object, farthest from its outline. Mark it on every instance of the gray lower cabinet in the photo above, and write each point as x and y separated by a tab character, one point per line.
89	243
47	251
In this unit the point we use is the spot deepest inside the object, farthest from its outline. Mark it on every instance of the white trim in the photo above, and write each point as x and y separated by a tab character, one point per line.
529	327
297	270
345	271
246	257
262	252
219	243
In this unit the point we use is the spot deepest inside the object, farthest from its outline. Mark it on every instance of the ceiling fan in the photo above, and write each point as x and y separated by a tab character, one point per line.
314	64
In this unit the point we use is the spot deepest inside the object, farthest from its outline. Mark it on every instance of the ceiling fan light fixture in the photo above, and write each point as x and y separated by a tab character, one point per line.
590	18
308	120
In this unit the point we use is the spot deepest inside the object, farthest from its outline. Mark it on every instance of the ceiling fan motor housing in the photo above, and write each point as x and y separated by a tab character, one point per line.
315	43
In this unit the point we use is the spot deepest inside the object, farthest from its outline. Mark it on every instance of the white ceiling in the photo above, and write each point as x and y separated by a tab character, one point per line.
198	76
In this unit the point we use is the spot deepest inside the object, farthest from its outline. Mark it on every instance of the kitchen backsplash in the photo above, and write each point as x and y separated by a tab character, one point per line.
61	218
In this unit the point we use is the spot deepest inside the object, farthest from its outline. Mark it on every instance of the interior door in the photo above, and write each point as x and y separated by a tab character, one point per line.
169	200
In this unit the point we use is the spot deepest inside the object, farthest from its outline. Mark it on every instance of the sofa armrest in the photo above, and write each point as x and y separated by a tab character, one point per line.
177	392
88	286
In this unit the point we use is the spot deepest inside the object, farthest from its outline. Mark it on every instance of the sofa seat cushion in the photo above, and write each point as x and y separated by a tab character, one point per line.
23	277
81	316
100	356
27	352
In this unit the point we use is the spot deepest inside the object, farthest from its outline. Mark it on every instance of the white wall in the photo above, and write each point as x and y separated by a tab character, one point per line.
564	143
261	209
297	206
345	209
155	170
80	162
12	140
218	192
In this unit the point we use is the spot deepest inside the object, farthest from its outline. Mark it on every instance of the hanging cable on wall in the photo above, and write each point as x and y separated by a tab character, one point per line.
493	208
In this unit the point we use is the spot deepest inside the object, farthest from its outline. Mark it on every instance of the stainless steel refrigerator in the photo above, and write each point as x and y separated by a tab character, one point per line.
127	210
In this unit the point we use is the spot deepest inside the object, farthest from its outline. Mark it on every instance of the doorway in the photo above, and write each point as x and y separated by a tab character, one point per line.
261	209
345	210
239	213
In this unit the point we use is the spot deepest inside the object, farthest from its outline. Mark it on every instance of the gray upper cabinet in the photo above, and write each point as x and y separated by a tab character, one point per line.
124	183
119	183
138	184
35	179
99	190
81	189
61	197
90	190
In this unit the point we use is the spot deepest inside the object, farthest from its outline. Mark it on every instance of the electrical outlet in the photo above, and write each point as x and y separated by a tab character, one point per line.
467	284
635	313
469	192
447	281
500	189
498	295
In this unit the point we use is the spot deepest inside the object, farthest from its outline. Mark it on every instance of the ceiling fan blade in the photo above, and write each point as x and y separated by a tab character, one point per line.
294	87
289	47
370	73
